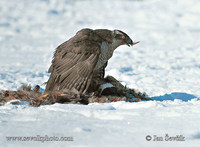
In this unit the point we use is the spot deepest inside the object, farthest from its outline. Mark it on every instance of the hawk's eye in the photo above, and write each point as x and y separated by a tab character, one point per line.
123	37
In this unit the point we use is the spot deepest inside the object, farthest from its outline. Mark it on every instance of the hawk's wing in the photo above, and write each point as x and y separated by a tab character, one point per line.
73	64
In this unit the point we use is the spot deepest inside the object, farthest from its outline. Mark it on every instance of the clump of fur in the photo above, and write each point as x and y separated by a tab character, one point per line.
37	98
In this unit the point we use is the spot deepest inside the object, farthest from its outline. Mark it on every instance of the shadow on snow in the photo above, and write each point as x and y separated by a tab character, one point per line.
175	95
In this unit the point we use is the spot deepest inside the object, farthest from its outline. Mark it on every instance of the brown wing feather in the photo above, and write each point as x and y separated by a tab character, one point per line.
74	61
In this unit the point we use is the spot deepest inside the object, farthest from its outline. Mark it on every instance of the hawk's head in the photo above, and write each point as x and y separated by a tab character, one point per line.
121	38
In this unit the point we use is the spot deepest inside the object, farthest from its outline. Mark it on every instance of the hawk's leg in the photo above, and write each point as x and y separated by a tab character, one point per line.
106	89
104	86
97	80
111	86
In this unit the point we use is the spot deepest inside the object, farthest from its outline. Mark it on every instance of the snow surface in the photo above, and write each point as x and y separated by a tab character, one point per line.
165	65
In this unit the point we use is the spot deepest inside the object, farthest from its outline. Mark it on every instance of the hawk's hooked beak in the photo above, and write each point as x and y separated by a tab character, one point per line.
131	43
